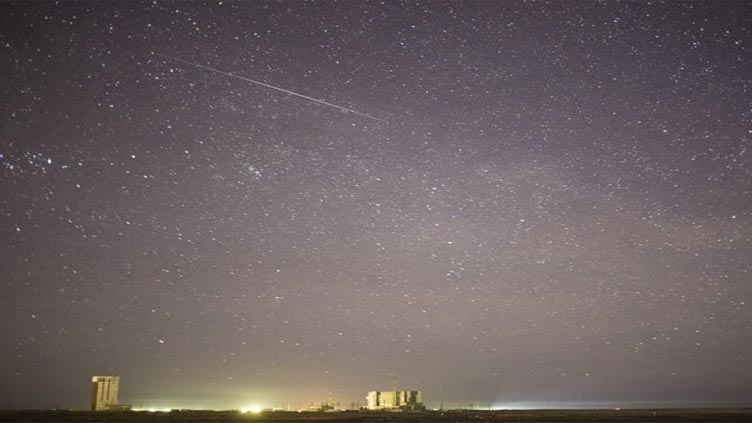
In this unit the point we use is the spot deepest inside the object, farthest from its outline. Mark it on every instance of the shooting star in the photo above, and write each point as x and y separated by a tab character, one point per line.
253	81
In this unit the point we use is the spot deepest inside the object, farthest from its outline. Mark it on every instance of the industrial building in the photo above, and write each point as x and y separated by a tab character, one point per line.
395	400
104	394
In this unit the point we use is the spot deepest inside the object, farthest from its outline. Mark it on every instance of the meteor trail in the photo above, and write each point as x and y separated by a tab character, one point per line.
243	78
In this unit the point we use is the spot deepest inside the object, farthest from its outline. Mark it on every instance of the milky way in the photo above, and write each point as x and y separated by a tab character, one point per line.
554	206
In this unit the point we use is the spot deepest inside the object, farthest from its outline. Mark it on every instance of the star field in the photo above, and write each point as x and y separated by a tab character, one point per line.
553	202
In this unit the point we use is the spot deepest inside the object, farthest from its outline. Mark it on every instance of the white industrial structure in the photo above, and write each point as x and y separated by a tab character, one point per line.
104	394
394	400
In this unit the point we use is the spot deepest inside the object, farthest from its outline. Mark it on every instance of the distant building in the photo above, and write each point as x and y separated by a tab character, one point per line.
395	400
104	394
324	406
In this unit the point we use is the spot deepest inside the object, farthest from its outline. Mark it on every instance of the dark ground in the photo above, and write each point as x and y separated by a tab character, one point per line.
631	415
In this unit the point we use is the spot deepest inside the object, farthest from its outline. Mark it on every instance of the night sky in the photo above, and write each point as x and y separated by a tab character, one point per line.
544	203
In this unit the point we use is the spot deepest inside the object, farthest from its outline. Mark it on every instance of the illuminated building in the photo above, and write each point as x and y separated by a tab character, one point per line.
104	394
395	400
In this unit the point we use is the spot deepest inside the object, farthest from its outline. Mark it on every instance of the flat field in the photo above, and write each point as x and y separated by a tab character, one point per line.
205	416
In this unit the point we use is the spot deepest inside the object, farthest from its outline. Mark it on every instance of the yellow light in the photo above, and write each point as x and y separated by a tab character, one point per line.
153	409
255	409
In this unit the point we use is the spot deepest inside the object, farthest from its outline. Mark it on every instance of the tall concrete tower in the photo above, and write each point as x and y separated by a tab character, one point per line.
104	393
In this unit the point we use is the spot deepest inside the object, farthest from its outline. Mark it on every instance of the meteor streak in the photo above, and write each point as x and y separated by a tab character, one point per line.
253	81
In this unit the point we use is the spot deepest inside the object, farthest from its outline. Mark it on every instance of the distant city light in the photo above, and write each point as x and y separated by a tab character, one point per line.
153	409
255	409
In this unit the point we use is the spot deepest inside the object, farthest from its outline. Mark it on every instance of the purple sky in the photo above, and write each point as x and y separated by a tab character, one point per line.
553	202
